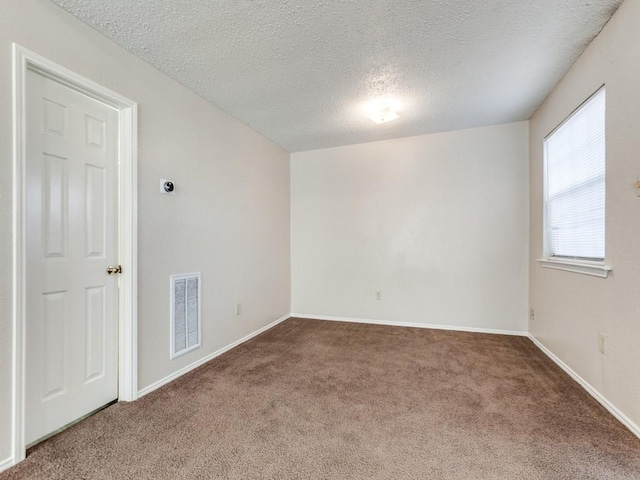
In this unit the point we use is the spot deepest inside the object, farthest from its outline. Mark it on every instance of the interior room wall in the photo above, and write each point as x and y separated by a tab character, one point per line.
572	309
437	223
229	218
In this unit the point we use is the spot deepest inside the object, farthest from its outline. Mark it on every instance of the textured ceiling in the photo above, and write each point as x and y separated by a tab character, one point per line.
300	71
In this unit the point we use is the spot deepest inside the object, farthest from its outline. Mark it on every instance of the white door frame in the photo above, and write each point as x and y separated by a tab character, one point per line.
24	60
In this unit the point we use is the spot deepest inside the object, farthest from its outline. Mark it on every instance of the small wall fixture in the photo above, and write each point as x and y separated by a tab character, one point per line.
167	187
380	112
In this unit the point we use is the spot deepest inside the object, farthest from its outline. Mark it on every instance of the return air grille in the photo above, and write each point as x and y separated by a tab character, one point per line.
185	313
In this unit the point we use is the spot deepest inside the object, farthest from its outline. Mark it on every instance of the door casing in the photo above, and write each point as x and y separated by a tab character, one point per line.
24	60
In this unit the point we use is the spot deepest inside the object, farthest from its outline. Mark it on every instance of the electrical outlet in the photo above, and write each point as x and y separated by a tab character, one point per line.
238	310
378	294
532	315
602	343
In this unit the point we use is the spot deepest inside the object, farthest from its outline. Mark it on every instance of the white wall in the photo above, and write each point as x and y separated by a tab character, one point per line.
438	223
228	220
570	308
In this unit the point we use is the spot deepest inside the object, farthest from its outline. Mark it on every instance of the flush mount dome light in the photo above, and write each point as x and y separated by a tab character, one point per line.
380	112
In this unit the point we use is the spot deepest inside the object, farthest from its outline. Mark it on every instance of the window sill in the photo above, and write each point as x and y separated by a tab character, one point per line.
596	269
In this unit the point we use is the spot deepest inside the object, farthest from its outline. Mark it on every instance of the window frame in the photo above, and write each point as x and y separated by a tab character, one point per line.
587	266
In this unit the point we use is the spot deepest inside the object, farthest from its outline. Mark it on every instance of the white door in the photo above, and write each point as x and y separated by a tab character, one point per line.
71	239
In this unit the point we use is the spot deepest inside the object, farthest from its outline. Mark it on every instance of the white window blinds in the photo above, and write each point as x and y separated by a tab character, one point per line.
575	183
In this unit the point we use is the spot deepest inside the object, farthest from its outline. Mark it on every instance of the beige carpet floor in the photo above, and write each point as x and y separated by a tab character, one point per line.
325	400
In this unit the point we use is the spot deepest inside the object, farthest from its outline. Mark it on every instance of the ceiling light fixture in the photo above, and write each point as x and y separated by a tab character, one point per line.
380	111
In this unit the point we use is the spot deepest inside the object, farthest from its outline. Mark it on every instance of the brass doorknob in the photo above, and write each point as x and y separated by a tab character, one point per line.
114	269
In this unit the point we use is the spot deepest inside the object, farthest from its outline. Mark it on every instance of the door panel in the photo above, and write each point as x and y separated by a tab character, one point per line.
71	238
95	317
95	180
54	208
53	334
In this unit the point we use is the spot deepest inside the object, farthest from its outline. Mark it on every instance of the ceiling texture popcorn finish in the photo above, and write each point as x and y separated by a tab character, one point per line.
300	72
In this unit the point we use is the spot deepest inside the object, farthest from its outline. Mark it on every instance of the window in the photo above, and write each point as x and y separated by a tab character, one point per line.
575	185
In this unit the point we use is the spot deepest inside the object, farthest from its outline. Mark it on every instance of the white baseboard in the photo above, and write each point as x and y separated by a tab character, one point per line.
211	356
414	325
6	464
626	421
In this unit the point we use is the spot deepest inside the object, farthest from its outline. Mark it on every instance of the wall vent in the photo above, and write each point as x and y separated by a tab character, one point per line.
185	313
